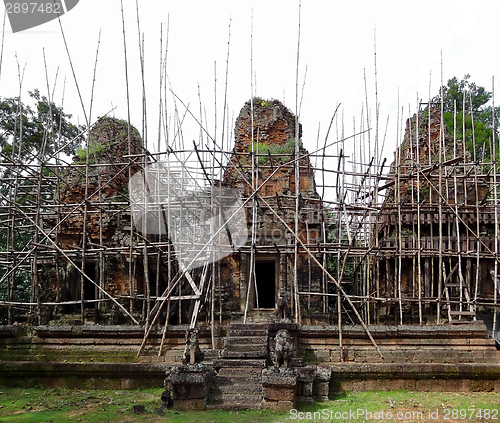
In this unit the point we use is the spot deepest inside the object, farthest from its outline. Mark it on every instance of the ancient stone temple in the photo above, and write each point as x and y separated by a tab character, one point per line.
278	187
435	232
92	216
259	320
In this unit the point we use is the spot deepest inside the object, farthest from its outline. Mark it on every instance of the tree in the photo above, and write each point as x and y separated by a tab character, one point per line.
455	90
30	134
30	137
472	112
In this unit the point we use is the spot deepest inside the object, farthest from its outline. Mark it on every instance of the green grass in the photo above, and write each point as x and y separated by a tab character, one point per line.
64	405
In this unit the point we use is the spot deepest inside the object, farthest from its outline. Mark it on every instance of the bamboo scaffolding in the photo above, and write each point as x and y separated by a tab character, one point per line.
373	260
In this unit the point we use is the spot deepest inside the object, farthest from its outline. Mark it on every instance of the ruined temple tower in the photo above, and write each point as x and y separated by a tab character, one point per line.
93	215
263	169
435	234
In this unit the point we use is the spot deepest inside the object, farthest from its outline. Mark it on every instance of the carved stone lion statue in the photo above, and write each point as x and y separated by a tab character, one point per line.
282	309
192	353
283	348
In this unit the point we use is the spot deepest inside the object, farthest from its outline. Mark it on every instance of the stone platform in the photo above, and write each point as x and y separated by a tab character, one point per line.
424	358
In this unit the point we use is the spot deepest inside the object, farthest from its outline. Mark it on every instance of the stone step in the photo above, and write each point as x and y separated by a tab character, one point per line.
223	390
239	363
261	320
236	401
244	354
297	362
239	333
229	407
240	371
246	347
237	380
261	340
248	327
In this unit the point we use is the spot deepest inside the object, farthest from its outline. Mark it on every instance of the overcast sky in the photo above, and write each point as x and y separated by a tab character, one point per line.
337	45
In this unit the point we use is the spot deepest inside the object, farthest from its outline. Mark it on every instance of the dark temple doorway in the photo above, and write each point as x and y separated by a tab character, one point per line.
265	275
89	288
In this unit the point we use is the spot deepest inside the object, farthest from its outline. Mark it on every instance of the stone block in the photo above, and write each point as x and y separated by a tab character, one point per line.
429	385
371	385
191	382
307	389
322	388
322	355
335	355
306	400
354	385
323	373
307	374
482	385
463	385
279	393
300	388
278	405
282	377
197	404
129	384
185	392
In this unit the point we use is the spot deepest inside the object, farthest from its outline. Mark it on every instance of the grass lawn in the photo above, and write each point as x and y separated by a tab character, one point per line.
63	405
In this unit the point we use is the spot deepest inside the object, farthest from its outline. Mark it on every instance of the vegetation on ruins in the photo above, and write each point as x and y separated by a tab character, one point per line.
280	153
474	119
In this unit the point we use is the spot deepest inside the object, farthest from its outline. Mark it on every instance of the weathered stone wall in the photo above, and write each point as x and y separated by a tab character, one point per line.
399	344
108	144
444	358
105	184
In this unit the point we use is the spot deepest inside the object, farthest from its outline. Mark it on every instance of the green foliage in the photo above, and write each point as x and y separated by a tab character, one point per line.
258	101
285	151
95	150
453	93
29	133
469	100
480	135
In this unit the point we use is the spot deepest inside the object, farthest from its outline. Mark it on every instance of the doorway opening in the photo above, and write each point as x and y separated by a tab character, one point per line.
89	288
265	275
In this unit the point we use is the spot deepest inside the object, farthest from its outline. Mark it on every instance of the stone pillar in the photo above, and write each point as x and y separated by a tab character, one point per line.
191	386
279	389
322	385
307	376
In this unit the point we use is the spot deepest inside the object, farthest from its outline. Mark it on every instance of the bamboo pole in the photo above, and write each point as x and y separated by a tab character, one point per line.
397	195
419	239
327	273
298	317
495	196
440	206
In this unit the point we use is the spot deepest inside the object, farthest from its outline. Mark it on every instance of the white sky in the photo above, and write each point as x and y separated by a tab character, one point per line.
336	45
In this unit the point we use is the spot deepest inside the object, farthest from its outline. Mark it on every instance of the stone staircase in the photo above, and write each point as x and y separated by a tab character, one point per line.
246	341
238	383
